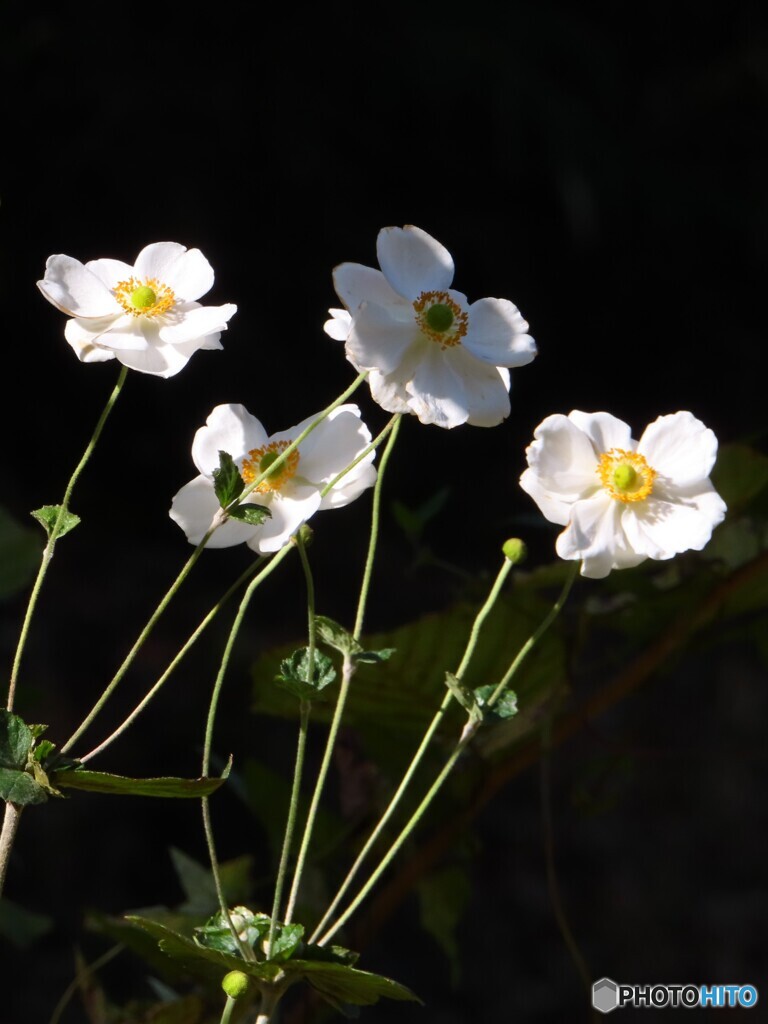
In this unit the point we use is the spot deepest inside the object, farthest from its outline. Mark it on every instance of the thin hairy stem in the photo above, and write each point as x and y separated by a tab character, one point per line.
11	819
480	618
174	664
54	534
347	669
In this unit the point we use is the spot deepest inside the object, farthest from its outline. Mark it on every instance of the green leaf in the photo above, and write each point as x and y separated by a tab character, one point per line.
334	635
19	554
227	482
16	739
505	707
47	516
43	750
253	515
216	933
22	927
101	782
338	983
19	788
374	657
295	670
287	940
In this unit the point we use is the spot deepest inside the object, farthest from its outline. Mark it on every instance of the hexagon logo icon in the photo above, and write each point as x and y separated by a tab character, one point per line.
605	995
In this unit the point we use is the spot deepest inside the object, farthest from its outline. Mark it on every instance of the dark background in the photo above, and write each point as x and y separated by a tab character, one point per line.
603	166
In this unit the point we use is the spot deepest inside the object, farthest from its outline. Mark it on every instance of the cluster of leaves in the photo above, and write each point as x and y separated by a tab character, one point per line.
228	486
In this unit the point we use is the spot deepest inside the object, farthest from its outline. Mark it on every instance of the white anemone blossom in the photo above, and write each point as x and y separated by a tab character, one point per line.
146	315
427	349
622	500
291	491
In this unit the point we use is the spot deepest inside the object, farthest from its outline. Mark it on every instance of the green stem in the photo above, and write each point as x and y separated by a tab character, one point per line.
54	534
11	819
466	736
275	466
423	747
154	618
347	669
226	1016
174	664
366	451
304	710
245	950
82	976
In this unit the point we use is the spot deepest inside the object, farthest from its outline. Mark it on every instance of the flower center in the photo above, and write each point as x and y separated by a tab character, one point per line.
625	475
440	318
259	460
144	298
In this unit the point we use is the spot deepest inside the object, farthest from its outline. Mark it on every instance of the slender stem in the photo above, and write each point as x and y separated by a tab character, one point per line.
545	790
366	451
423	747
226	1016
284	455
468	733
245	949
54	534
347	669
174	664
534	638
142	638
304	710
11	820
81	976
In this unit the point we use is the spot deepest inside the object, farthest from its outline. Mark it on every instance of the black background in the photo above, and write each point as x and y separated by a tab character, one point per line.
603	166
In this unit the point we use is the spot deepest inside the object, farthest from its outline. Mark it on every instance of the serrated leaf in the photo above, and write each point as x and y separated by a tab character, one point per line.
253	515
43	750
47	516
341	984
102	782
374	657
334	635
227	482
295	670
16	739
19	554
216	933
19	788
287	940
505	707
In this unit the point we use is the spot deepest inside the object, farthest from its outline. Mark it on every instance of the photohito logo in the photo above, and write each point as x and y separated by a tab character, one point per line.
609	995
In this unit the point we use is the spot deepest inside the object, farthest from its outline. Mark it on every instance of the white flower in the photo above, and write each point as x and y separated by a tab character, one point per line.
622	500
292	492
146	315
427	350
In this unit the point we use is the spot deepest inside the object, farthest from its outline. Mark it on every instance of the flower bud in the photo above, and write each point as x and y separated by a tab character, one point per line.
235	984
515	550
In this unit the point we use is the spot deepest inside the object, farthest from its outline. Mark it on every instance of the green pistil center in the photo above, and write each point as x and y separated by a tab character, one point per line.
625	477
267	460
440	317
143	297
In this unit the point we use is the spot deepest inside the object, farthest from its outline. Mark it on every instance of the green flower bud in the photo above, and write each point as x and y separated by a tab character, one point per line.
235	984
515	550
306	534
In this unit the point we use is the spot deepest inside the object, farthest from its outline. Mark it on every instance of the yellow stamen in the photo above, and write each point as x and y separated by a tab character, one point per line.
441	318
147	297
260	459
625	475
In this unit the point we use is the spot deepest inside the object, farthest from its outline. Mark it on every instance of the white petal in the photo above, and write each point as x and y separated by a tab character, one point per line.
604	431
679	447
356	284
189	276
413	262
197	323
389	392
229	428
288	513
332	445
159	360
131	333
110	272
351	486
73	289
552	506
438	393
486	388
497	334
663	528
86	351
339	326
193	509
157	260
377	340
562	458
593	535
